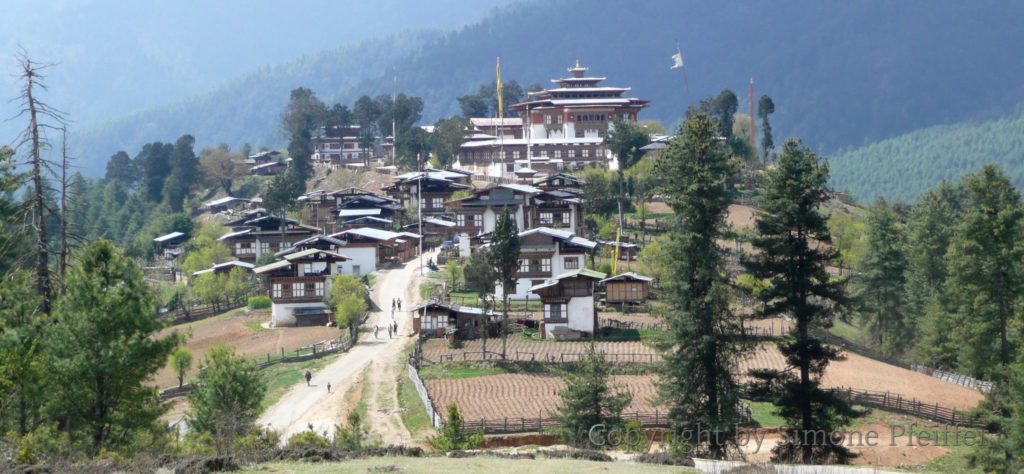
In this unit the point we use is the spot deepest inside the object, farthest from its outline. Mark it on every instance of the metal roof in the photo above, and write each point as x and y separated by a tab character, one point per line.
224	200
172	235
272	266
310	252
440	222
231	235
627	277
378	234
358	212
523	188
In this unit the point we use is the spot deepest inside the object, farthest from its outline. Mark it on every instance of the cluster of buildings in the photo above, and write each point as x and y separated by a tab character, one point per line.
355	231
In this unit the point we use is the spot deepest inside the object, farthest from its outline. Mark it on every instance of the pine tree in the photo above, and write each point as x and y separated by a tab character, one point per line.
589	400
504	257
695	378
103	349
985	272
791	251
880	292
929	231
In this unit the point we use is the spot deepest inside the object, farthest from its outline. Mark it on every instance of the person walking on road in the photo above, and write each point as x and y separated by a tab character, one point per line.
389	332
309	376
375	328
399	304
328	387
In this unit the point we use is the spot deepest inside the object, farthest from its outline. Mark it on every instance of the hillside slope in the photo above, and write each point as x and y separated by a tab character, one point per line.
842	74
903	167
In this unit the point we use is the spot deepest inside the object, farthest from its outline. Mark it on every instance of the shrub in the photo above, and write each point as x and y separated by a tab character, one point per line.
308	440
259	439
259	302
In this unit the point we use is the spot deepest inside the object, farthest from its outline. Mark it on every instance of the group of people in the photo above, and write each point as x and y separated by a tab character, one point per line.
392	328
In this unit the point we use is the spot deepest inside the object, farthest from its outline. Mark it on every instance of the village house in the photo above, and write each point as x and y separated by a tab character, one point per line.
437	319
169	245
564	129
225	204
437	188
368	248
254	238
545	253
263	157
560	182
268	169
342	145
300	282
435	231
529	206
327	209
568	301
627	288
226	267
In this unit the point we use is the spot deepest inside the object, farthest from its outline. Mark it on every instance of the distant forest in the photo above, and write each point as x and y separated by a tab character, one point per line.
842	75
903	167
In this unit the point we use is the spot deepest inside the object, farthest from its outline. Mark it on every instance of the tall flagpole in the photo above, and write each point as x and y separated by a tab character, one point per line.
394	130
501	115
419	197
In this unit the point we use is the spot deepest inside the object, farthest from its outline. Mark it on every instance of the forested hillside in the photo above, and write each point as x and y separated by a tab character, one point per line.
903	167
842	75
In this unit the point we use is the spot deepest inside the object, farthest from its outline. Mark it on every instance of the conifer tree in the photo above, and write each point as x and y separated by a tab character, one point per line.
880	292
589	399
791	251
103	349
929	231
695	378
985	272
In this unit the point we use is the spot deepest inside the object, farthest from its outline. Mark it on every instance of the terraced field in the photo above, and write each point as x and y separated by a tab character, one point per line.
524	395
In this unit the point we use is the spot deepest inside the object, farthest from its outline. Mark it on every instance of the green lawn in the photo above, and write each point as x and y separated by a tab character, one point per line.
254	325
281	377
765	414
847	331
460	370
617	334
444	465
414	415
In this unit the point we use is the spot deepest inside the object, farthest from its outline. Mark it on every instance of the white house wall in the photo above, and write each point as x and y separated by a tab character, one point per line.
283	314
363	257
581	314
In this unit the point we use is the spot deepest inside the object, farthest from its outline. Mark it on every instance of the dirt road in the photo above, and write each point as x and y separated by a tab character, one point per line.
303	407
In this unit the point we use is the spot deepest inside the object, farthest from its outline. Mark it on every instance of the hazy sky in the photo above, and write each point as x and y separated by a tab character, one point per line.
120	56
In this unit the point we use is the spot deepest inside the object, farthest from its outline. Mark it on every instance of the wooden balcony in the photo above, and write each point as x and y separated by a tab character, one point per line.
298	289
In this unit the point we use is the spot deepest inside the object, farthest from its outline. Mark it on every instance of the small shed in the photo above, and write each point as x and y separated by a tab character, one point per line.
627	288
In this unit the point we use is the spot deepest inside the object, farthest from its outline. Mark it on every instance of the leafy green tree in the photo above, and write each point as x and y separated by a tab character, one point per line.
225	397
695	378
792	252
348	301
928	235
181	363
366	113
221	167
766	107
589	399
504	258
985	272
473	106
880	285
599	187
625	140
413	148
204	250
338	116
723	109
447	139
301	118
479	275
103	348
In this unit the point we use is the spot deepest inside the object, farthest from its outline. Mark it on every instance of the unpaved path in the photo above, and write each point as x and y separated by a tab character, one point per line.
304	407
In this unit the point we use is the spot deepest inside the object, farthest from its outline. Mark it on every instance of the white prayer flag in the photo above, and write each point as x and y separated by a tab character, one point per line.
677	60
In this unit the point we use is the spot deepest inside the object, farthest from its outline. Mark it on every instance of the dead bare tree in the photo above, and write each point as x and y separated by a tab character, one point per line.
41	118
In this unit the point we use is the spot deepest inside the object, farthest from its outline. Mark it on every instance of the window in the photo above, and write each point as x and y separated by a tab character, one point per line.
543	153
244	248
571	263
559	119
437	203
433	321
276	290
572	153
537	265
318	288
264	248
555	312
509	167
355	270
297	290
460	220
586	153
478	220
501	155
547	120
515	155
558	153
547	218
524	265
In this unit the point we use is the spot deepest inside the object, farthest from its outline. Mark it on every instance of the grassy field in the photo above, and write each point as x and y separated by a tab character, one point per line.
414	415
460	370
765	414
442	465
847	331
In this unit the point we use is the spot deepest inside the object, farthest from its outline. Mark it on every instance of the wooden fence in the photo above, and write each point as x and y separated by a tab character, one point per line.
879	400
421	390
194	311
